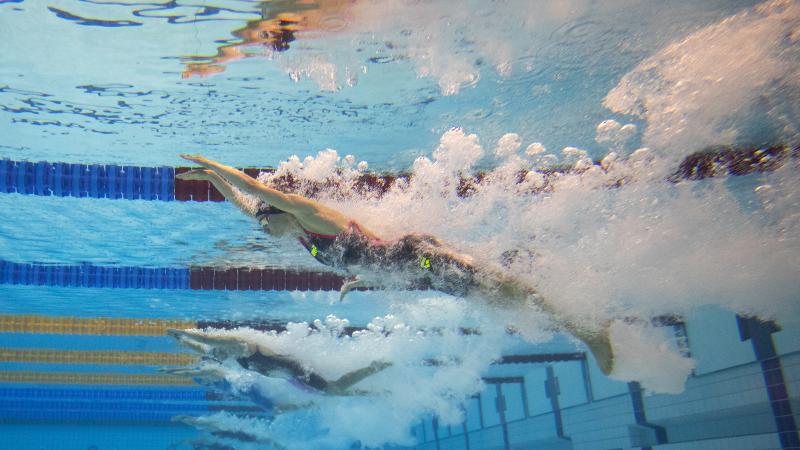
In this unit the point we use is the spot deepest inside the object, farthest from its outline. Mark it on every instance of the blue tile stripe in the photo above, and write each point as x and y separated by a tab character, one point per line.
112	405
82	180
173	394
640	414
759	332
84	416
21	405
87	275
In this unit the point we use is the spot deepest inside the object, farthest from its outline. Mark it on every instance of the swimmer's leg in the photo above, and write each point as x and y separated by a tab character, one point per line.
599	344
510	292
350	379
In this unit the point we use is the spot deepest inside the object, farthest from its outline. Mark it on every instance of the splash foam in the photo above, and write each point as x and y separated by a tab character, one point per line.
734	81
393	399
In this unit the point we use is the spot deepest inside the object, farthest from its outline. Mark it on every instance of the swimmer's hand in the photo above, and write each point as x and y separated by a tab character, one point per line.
349	286
195	175
202	160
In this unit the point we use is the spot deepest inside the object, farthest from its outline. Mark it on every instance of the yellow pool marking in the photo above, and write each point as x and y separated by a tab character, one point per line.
53	356
93	378
100	326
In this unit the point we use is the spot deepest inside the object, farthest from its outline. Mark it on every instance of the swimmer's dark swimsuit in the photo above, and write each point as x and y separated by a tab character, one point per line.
419	260
318	245
265	364
413	261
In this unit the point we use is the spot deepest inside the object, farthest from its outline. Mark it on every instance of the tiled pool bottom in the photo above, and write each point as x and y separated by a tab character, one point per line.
744	394
88	437
741	396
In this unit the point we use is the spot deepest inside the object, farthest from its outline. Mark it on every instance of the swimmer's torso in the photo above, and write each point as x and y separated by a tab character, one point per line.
413	261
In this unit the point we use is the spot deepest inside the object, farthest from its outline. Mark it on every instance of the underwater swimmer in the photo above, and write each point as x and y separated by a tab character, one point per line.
218	430
257	357
414	260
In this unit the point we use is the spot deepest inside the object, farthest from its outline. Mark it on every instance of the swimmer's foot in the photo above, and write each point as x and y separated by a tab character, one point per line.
349	285
599	344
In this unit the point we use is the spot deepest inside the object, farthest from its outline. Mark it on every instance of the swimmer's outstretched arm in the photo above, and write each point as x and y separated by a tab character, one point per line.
229	192
312	215
290	203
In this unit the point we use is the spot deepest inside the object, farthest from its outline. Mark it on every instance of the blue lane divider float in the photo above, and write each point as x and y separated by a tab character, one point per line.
86	275
197	278
82	180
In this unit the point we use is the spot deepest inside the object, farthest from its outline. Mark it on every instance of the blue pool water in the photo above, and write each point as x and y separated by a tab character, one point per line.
557	140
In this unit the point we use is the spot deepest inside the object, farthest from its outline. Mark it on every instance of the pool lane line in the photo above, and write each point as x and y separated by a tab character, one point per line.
193	278
101	326
55	410
55	405
159	183
125	379
116	357
187	394
154	415
87	180
88	275
106	326
88	418
128	182
116	418
113	398
83	378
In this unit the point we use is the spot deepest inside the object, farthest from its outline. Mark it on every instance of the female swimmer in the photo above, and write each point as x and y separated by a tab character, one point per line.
414	260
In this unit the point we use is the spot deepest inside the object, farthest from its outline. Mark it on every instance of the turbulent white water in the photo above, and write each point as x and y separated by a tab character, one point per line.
606	244
734	81
646	248
395	398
